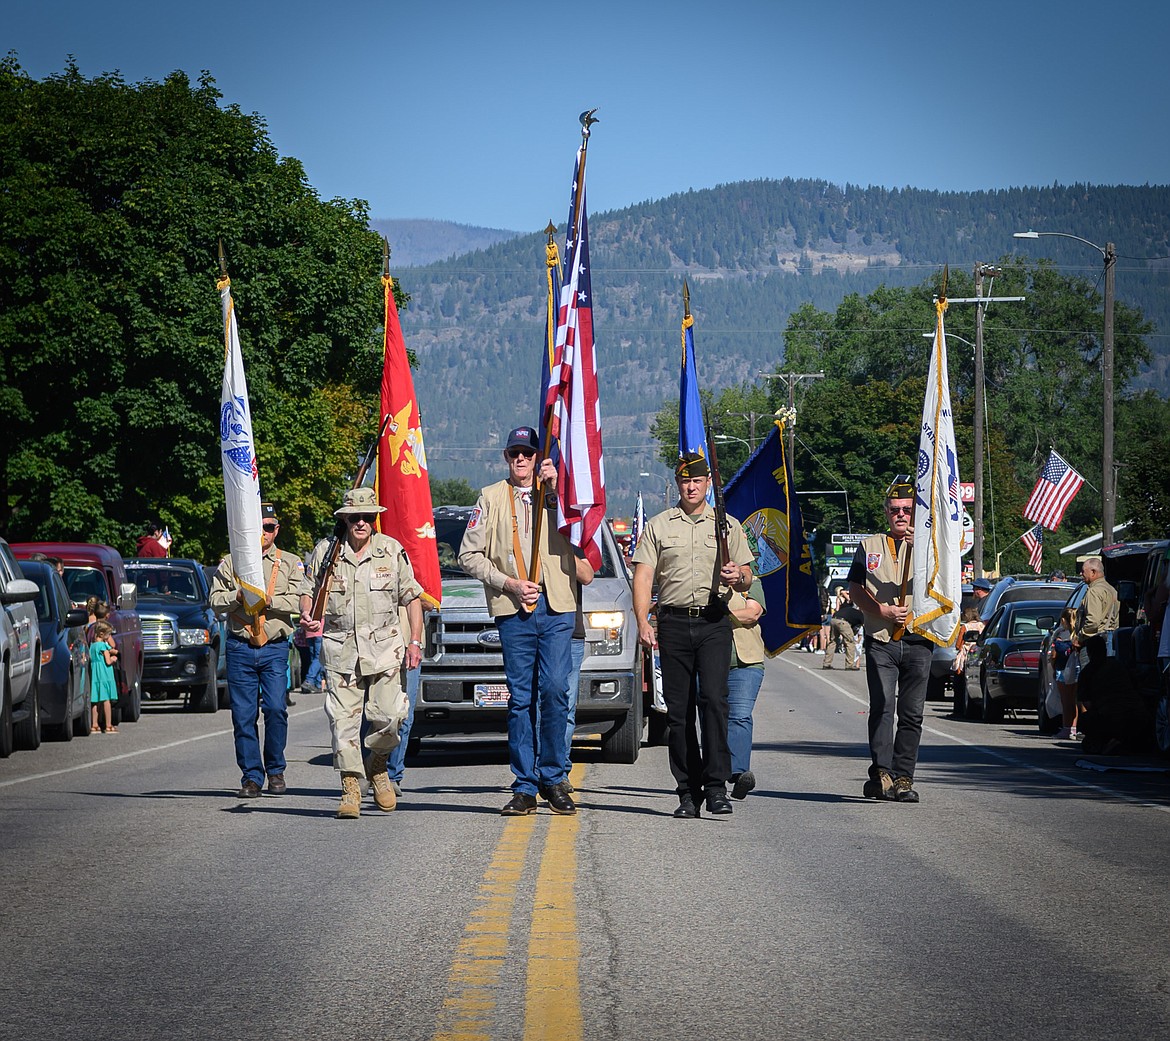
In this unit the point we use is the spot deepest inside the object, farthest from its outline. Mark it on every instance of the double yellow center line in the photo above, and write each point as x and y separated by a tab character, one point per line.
552	996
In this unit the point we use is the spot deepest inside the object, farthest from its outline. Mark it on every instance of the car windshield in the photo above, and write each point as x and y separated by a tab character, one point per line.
84	582
163	581
1032	622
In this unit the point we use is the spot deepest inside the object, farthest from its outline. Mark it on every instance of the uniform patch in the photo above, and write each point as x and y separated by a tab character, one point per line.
873	561
473	520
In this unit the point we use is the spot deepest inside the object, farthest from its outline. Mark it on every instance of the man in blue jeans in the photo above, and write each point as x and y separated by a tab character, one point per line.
257	660
532	597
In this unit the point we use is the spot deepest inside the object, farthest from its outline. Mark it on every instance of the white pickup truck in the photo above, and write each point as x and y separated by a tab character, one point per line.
20	658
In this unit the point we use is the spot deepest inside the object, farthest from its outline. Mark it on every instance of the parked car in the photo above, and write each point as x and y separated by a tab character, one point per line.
20	656
1012	587
1007	656
181	637
64	681
92	569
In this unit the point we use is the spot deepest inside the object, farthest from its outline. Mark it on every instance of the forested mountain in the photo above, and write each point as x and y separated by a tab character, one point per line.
425	241
753	253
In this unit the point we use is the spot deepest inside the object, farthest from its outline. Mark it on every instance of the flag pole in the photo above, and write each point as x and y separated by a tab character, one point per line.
587	119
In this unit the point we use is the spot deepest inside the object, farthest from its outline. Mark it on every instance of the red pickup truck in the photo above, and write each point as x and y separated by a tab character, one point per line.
92	569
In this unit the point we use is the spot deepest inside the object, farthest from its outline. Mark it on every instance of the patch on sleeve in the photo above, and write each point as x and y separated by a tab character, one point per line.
473	520
873	561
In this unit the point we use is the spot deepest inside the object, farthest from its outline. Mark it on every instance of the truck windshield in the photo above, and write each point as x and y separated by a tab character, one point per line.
164	582
84	582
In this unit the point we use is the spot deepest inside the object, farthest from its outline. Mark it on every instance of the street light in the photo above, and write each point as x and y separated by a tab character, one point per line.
732	437
665	485
1108	492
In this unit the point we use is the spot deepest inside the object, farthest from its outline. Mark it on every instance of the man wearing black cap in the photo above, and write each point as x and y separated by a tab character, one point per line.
897	662
257	660
534	602
680	548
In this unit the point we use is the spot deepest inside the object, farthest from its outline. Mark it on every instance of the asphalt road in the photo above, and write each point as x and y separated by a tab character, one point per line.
1024	897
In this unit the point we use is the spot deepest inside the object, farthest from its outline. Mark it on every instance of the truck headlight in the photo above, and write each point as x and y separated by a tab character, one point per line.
610	623
194	637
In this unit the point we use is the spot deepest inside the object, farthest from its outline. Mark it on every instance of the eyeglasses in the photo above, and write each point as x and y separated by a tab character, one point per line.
515	453
270	527
362	518
895	510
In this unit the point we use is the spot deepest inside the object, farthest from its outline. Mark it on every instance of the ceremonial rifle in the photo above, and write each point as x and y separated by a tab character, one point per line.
721	526
317	611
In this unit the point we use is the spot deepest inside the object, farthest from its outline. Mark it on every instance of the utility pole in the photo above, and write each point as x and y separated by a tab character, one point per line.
751	417
1109	483
792	379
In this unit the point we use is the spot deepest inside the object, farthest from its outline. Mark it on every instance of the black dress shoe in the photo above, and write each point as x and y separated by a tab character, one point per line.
276	784
686	807
520	805
249	790
558	800
717	802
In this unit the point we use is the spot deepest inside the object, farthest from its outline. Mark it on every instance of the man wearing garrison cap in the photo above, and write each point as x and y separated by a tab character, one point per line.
680	550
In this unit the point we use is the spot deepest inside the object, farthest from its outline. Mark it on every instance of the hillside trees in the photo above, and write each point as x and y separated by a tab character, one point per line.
110	323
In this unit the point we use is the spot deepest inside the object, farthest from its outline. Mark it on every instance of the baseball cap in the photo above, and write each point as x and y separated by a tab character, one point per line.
522	437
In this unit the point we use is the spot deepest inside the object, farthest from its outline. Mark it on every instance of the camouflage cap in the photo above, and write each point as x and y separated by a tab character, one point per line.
691	465
359	500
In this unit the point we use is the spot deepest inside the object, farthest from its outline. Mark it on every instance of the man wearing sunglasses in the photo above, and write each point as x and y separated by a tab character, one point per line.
366	650
534	606
257	660
897	662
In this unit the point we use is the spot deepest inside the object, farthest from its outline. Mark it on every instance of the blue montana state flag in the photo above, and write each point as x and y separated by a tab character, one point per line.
762	498
692	437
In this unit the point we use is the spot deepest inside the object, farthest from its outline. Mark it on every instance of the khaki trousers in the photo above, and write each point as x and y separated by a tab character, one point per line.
383	700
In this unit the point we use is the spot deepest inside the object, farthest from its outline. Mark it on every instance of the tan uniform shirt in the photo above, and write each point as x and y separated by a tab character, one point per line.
1098	611
749	642
886	568
682	552
361	621
285	594
488	550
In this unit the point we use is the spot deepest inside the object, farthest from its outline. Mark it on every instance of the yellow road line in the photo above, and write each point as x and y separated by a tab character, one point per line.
472	986
553	1001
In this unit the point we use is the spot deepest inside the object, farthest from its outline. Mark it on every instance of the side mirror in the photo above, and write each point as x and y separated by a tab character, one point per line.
1127	590
77	616
128	598
20	591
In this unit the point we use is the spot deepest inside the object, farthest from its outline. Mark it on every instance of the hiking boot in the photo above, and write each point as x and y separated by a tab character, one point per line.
904	790
880	787
380	785
520	805
249	790
277	784
351	798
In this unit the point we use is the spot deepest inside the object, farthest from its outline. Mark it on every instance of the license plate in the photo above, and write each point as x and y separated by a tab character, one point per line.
491	695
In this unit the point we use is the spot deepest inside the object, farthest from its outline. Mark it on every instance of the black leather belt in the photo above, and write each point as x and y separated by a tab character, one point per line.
244	639
706	613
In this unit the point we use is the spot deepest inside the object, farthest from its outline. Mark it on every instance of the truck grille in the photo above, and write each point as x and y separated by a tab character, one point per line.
158	634
461	642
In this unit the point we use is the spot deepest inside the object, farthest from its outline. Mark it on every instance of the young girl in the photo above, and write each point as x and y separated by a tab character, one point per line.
1065	667
103	687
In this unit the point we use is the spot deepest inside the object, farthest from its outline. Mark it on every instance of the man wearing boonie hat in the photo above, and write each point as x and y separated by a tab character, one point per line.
680	548
534	604
897	662
365	651
257	660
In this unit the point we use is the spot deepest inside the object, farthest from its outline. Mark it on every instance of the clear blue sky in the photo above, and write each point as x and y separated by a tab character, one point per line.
468	111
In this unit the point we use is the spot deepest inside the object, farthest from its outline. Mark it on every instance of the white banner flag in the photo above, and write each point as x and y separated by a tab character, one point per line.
241	478
938	512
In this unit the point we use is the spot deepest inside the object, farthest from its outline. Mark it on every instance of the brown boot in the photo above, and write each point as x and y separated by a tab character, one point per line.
380	782
351	798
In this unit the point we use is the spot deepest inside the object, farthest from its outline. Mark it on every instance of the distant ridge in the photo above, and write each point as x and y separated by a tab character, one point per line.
416	242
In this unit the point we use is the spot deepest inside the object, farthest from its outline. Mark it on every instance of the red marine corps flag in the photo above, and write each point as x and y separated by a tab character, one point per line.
404	486
572	411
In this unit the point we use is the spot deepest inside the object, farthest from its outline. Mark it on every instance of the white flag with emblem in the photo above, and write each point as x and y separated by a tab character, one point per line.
938	513
241	477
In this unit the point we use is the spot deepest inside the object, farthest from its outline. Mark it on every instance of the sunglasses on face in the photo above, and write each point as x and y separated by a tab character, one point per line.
362	518
895	510
270	526
515	453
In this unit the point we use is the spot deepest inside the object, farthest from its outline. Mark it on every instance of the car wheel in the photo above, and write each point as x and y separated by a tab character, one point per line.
992	710
656	728
83	723
64	730
27	733
1162	724
208	698
1045	723
134	705
962	701
5	716
624	741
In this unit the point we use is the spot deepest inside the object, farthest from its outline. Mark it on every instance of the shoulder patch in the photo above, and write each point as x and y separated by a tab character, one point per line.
873	561
473	520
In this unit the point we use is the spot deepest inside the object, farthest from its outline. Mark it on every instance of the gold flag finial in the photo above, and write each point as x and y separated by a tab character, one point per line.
385	257
686	299
550	231
222	260
943	294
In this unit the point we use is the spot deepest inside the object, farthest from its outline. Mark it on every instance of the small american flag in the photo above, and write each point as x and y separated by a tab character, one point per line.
1033	540
1056	489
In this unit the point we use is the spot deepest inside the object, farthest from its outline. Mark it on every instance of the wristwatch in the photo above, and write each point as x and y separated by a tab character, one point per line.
415	643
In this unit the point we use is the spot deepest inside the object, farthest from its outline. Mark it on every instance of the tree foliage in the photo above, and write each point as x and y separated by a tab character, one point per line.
116	195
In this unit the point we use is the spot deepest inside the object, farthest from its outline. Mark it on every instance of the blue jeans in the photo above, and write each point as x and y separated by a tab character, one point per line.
397	761
743	684
256	679
571	689
537	657
314	675
896	673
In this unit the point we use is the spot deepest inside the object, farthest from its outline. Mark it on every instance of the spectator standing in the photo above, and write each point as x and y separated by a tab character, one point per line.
103	687
1096	618
148	542
257	660
1065	671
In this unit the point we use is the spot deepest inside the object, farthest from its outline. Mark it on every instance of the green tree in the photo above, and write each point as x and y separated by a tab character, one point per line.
110	327
453	492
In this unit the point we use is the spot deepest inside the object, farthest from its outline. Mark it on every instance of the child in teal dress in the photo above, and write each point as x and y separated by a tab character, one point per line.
103	687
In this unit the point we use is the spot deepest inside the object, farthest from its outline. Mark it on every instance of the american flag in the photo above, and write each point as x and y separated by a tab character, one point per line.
572	392
1033	540
638	524
1056	489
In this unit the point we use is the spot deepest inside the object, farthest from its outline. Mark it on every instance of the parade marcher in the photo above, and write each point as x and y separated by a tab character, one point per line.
680	549
534	613
257	659
365	651
897	662
845	617
743	682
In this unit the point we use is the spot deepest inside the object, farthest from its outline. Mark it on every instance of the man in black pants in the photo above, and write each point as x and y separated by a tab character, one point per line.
680	549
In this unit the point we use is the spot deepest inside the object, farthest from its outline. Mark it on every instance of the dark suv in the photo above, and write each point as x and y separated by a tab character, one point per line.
180	635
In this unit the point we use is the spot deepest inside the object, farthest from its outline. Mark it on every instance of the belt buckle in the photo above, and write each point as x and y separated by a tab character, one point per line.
694	612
